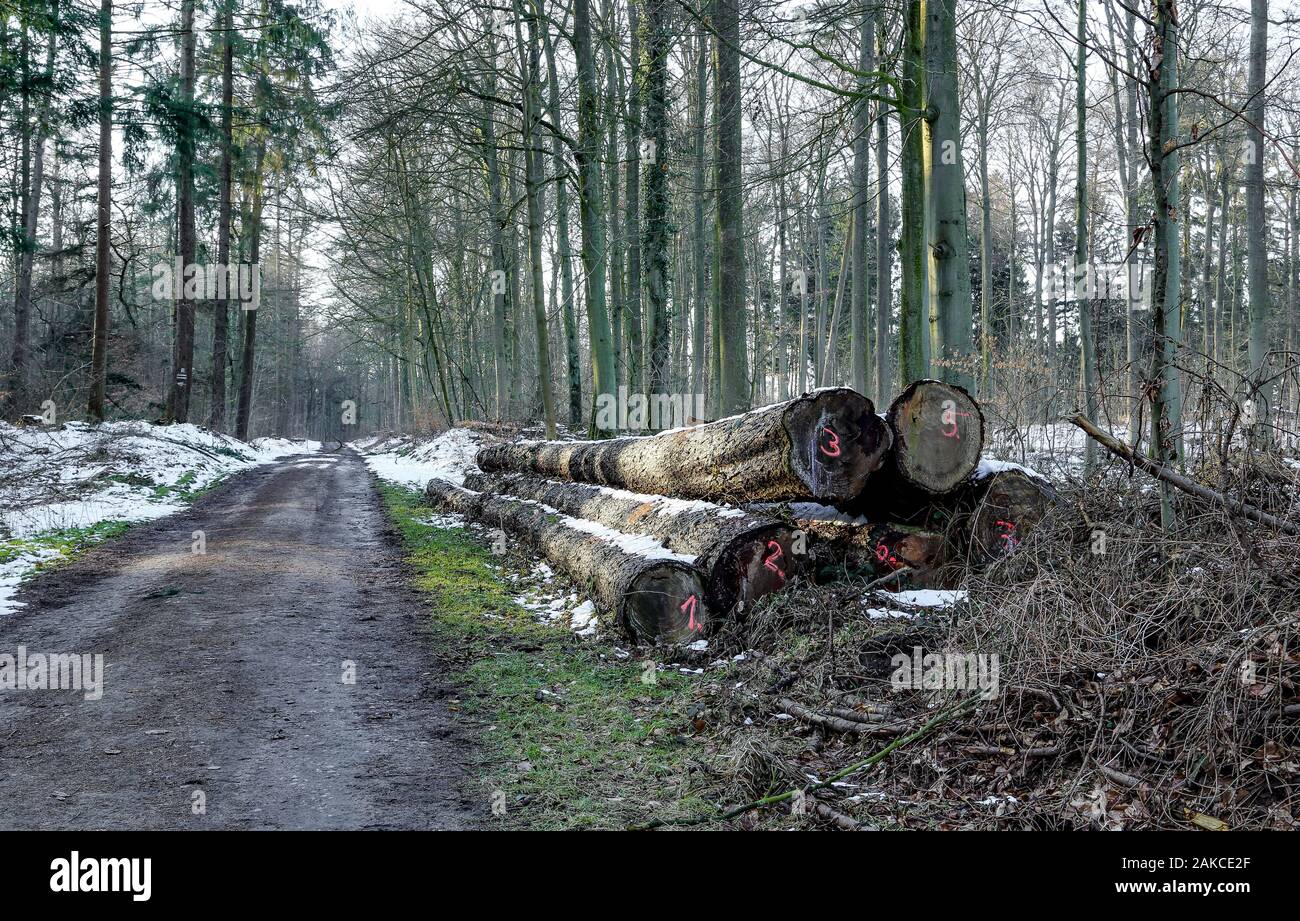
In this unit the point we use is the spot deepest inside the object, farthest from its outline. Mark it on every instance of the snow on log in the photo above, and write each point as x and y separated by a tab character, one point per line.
822	445
743	557
654	594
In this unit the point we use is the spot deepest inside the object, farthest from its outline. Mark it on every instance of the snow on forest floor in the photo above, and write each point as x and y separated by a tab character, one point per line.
410	462
69	485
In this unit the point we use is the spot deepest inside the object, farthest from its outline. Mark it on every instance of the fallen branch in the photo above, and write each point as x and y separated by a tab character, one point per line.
934	722
1187	485
834	723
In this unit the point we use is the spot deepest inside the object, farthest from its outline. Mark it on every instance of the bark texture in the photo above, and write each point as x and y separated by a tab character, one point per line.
653	600
742	556
823	445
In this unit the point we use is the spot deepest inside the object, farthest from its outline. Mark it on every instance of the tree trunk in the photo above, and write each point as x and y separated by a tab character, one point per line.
884	250
248	361
1087	334
1163	108
699	366
653	597
565	249
742	557
653	86
937	434
99	341
1257	225
914	327
221	308
182	383
533	193
1002	506
589	195
729	272
949	256
822	445
31	210
859	310
879	548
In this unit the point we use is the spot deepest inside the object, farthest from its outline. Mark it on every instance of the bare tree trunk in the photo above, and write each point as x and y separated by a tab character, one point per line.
99	342
589	194
914	329
182	383
699	367
655	48
729	274
221	307
1087	334
859	311
1163	109
533	181
31	209
1257	224
565	249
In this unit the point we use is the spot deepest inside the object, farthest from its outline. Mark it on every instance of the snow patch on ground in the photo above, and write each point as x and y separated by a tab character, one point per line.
913	602
538	594
402	462
77	475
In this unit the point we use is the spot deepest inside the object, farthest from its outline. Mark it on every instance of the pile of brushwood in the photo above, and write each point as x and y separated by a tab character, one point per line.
1147	674
678	535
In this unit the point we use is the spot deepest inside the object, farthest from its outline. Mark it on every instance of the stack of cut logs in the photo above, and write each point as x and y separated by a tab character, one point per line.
672	533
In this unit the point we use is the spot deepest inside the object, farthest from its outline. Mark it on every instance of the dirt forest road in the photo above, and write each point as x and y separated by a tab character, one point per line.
224	672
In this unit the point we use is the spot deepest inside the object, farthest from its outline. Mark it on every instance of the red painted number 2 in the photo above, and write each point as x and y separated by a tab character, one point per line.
774	558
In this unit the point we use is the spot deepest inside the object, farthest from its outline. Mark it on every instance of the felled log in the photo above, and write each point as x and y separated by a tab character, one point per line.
1005	503
937	434
822	445
742	557
879	548
654	596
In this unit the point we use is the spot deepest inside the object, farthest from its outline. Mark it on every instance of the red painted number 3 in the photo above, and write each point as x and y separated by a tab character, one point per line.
832	447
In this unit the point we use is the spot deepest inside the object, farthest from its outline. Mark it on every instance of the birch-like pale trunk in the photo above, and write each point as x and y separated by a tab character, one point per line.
947	232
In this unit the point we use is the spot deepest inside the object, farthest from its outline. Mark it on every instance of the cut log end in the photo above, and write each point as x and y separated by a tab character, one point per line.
665	603
938	434
837	441
1009	505
754	564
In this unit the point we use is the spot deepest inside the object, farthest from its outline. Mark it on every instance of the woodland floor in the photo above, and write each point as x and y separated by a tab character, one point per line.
224	672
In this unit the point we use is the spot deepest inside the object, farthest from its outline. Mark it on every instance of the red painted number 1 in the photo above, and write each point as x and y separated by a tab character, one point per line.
689	606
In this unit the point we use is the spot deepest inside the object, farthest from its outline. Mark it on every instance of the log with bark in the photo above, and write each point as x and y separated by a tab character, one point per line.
653	595
743	557
823	445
